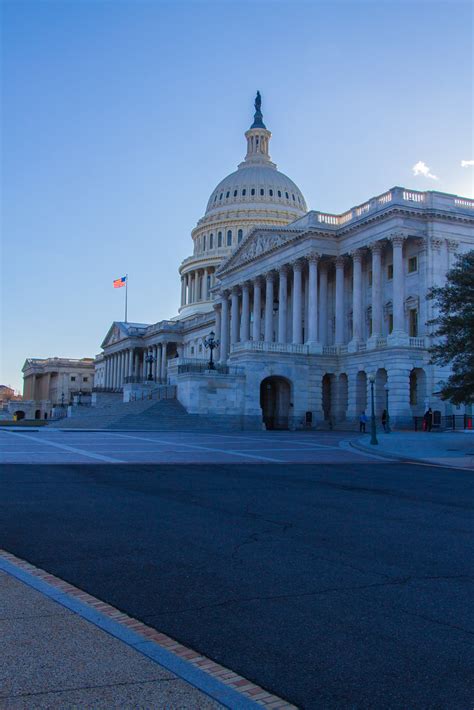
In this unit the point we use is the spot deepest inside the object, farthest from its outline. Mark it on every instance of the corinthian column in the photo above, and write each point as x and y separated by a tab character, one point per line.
283	304
234	316
398	285
257	308
313	260
323	303
224	354
297	303
339	339
376	290
245	317
268	336
357	296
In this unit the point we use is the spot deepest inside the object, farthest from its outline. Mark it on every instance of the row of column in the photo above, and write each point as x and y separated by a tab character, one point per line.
237	316
195	285
132	362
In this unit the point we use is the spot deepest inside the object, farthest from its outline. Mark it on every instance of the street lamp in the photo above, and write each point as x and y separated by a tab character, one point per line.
62	399
150	360
373	428
79	398
387	423
210	343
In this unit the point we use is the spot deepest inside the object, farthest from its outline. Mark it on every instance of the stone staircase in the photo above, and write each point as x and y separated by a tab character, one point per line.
143	415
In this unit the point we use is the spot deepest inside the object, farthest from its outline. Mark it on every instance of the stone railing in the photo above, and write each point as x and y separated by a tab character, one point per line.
262	346
417	342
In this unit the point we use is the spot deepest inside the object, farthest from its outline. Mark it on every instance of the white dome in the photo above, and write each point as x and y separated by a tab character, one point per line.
256	186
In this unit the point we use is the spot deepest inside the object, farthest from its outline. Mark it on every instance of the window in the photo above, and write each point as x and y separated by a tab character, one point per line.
215	197
287	196
370	327
211	241
413	322
390	322
204	243
370	277
229	238
192	349
412	264
262	191
240	234
279	193
293	197
235	193
252	191
73	379
220	196
200	347
390	272
244	192
299	199
219	239
270	192
85	379
227	194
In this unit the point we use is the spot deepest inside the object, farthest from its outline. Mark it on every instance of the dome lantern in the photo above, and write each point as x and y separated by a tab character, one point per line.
258	139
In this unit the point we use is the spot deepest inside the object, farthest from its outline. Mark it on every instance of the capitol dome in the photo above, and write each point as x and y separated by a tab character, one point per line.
254	195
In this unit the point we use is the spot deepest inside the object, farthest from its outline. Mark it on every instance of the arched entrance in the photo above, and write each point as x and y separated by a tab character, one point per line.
19	414
275	402
38	414
327	395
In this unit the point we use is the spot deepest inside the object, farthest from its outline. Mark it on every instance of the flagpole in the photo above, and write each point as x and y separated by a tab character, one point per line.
126	296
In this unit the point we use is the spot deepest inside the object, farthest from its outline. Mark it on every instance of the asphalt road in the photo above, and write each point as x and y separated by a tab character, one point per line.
334	586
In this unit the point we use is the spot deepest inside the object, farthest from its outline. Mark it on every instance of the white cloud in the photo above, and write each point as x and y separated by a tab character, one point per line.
421	168
467	163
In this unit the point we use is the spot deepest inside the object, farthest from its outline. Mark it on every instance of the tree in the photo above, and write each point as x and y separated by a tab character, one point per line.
455	327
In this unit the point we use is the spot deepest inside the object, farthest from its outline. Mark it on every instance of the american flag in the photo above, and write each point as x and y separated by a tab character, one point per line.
118	283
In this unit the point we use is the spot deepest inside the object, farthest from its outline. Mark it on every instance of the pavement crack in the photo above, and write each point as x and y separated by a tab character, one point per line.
88	687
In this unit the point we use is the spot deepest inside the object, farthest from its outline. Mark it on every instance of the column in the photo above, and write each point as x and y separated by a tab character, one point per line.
245	318
218	328
297	304
376	289
339	310
191	287
183	287
186	289
144	364
234	316
136	370
313	260
159	360
257	308
398	283
268	328
282	304
224	328
119	369
106	372
205	289
164	364
114	370
130	362
323	303
357	296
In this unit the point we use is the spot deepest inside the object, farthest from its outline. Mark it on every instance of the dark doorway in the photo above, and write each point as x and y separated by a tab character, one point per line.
275	402
19	415
38	414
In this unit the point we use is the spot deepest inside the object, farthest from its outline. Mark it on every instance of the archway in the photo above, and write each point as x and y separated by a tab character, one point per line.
327	396
361	392
380	393
38	414
19	414
342	397
275	402
418	391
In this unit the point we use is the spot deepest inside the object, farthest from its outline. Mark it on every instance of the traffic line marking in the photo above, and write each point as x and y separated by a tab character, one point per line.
71	449
220	683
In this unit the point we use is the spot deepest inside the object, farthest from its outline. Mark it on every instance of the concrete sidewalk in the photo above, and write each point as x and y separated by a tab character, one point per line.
52	658
444	448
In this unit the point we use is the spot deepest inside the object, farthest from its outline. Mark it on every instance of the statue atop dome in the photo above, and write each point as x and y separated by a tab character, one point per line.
258	117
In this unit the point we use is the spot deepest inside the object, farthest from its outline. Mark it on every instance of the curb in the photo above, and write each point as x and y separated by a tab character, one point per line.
220	683
375	450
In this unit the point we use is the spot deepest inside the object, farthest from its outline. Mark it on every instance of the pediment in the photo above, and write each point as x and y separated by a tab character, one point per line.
255	245
114	334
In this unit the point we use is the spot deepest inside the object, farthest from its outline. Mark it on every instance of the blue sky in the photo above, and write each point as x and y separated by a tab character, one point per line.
121	117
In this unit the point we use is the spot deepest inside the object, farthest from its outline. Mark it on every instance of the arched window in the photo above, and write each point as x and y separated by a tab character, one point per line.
252	191
293	197
262	191
211	241
220	196
279	193
270	192
204	243
219	239
227	194
229	238
287	196
240	234
244	192
235	193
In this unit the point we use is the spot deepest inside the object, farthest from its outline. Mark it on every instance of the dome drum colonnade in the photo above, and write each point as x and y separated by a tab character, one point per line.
239	316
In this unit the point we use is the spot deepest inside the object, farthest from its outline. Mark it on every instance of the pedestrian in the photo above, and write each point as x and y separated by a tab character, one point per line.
362	422
384	420
426	420
430	419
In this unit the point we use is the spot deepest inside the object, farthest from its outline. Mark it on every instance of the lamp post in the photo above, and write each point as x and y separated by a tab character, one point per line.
150	360
373	428
79	398
387	423
62	399
210	343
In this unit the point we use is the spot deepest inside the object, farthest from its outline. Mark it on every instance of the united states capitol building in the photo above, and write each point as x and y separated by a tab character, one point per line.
307	307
